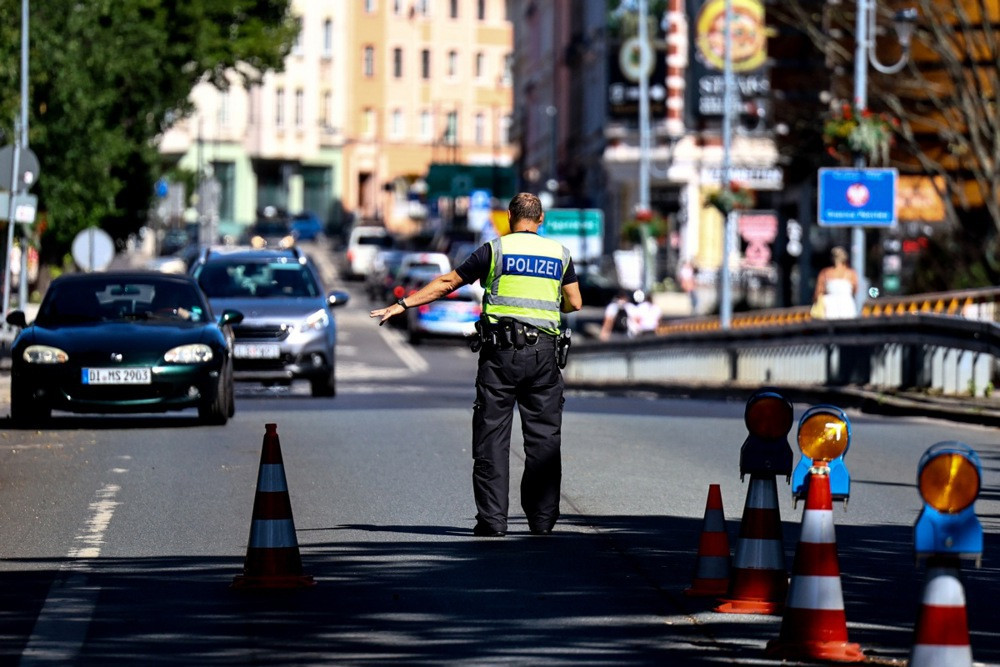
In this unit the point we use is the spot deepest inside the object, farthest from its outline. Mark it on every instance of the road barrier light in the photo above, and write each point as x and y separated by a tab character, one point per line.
824	437
768	417
948	477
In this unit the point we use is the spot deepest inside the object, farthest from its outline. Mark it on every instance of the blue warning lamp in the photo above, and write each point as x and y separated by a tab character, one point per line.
948	477
768	417
824	438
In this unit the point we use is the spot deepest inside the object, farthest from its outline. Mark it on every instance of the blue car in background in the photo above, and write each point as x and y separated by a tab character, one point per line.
306	226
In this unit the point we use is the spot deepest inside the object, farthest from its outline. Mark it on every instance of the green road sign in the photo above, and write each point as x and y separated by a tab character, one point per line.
581	230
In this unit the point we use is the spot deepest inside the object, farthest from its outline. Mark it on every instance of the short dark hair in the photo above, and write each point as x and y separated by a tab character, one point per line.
525	206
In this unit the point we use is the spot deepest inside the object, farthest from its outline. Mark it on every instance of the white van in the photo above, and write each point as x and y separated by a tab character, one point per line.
362	245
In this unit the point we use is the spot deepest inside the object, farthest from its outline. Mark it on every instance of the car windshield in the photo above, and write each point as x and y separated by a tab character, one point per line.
257	279
90	301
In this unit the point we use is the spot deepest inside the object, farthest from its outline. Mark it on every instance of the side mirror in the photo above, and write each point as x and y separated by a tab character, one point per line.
230	316
336	298
17	318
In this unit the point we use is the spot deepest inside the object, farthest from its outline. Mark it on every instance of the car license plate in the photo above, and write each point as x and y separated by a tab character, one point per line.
117	376
256	351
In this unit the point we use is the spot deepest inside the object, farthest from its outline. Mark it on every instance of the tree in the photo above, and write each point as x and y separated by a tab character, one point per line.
946	103
107	78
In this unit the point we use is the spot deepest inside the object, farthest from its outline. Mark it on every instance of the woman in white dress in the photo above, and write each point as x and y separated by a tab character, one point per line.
836	287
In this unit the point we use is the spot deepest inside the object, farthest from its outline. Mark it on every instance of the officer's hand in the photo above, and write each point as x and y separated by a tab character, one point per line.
386	313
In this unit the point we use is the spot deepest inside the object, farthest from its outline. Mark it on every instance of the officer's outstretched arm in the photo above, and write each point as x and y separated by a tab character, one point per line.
432	291
572	299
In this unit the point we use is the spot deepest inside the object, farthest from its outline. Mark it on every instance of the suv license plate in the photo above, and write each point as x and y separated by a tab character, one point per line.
256	351
116	376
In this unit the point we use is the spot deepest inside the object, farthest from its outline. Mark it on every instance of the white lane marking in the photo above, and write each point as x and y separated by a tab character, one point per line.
62	624
394	339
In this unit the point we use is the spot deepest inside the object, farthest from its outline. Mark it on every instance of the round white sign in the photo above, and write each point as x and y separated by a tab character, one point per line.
93	249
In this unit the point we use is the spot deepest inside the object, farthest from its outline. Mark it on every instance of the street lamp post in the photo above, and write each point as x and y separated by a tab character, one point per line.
904	22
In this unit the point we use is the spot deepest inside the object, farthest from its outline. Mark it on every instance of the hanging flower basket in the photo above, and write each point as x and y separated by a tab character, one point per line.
731	198
850	132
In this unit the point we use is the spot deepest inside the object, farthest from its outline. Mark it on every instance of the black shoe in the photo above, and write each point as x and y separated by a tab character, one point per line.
484	530
538	530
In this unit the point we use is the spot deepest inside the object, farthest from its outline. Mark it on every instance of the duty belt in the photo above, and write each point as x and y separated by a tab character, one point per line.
507	333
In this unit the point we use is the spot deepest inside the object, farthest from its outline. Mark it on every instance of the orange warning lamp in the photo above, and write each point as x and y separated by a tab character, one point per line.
823	435
824	438
949	482
948	477
768	416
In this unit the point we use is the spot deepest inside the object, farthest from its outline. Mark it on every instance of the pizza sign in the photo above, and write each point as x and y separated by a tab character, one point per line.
749	34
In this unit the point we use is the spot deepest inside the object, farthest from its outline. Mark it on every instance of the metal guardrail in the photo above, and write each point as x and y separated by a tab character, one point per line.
923	352
974	304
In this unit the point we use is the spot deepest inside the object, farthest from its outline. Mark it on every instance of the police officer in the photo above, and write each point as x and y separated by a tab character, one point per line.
529	281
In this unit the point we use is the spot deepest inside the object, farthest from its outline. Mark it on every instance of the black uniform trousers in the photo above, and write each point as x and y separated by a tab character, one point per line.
530	378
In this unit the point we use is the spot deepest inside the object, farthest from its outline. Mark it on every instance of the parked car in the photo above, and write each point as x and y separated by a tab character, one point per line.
452	316
362	244
288	332
306	226
122	342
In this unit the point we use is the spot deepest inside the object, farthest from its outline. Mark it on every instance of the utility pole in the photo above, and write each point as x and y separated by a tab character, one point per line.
728	228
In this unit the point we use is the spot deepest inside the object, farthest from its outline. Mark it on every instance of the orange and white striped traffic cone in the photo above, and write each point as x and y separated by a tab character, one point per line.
941	638
273	559
814	625
759	580
711	575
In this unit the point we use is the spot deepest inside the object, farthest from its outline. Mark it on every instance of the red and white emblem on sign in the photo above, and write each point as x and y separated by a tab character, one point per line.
858	195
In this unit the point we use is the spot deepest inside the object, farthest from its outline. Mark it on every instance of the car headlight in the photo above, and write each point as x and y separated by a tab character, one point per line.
258	242
287	241
44	354
197	353
317	321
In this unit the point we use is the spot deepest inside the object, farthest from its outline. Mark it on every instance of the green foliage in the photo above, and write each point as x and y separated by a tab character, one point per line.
106	78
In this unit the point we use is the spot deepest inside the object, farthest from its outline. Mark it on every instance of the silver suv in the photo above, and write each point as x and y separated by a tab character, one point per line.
288	330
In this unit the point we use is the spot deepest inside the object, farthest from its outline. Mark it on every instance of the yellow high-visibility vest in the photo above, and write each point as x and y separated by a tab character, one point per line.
525	280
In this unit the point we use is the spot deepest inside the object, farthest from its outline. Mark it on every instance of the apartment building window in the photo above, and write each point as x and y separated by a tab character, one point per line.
368	123
480	129
222	112
425	64
300	107
368	62
397	7
508	69
452	63
326	110
421	7
297	44
479	65
481	10
396	124
453	9
327	38
370	6
426	127
279	107
451	129
506	125
397	63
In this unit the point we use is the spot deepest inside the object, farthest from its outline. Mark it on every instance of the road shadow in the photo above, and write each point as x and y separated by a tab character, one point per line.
602	590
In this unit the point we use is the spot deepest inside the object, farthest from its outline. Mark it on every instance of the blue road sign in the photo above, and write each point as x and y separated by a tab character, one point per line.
857	197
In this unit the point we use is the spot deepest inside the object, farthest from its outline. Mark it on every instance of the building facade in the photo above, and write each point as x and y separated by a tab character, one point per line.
373	93
581	57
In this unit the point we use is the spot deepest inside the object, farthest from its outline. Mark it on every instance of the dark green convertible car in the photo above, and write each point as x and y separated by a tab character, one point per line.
122	342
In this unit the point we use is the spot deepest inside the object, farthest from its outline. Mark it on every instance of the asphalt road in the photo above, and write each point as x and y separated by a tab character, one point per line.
119	538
